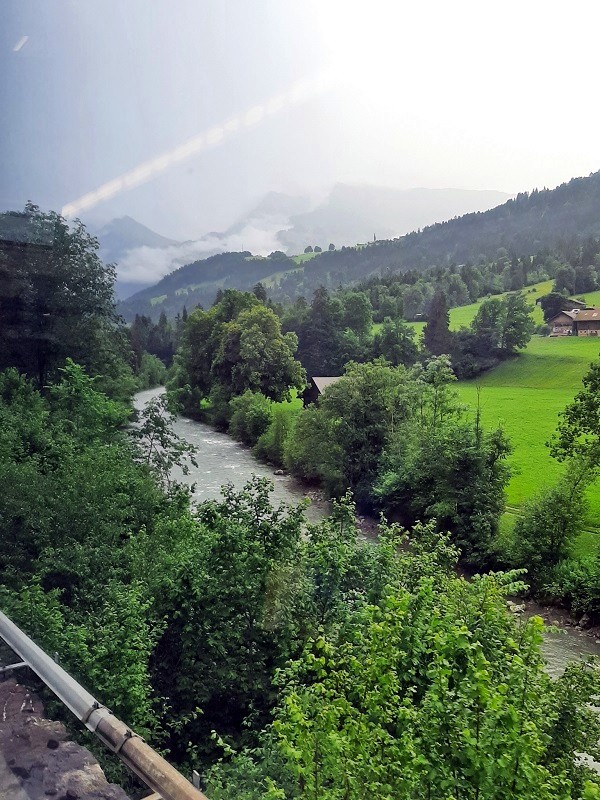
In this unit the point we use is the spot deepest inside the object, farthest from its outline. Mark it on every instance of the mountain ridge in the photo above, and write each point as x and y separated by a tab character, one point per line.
523	225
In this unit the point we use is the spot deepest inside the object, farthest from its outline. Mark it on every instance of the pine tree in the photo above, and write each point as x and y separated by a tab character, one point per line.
436	335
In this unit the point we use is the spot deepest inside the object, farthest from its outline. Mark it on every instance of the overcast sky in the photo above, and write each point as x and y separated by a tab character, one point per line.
183	113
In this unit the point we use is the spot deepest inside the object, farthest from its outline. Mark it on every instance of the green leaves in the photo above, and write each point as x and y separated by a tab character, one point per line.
427	695
236	346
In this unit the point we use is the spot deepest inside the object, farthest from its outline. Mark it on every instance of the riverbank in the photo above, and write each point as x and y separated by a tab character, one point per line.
222	460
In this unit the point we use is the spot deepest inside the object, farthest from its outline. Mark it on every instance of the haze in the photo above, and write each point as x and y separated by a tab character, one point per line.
191	111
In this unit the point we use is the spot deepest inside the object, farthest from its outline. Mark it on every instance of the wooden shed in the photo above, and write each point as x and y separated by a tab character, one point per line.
316	387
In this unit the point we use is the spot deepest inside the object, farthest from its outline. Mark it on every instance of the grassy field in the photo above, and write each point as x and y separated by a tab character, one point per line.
525	395
302	257
462	316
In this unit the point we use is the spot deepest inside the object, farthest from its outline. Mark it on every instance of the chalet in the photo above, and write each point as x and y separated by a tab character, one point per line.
562	323
316	387
587	322
577	322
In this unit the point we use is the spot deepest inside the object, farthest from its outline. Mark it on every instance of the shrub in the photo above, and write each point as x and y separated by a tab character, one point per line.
271	444
576	583
250	416
152	372
543	535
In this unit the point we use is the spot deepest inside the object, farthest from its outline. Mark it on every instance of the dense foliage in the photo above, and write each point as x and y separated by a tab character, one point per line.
236	346
285	659
57	301
399	439
529	238
366	666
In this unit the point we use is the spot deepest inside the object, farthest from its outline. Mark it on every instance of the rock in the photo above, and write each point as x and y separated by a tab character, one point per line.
516	608
585	622
37	761
279	472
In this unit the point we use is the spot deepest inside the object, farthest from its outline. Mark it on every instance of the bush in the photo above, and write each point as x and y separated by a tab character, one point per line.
152	372
576	583
543	535
218	412
250	416
271	445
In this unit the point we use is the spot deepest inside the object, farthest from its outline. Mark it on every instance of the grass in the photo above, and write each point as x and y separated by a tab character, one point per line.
302	257
525	395
271	280
463	316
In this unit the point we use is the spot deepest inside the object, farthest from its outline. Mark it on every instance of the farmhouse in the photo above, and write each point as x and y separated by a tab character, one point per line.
577	322
316	387
587	322
562	323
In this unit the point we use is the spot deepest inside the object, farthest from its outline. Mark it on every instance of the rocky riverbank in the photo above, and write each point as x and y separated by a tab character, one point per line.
37	761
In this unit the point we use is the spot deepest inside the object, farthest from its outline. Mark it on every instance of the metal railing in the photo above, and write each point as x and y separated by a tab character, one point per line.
133	751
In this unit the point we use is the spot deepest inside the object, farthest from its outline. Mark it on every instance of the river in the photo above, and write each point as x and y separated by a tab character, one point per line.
222	460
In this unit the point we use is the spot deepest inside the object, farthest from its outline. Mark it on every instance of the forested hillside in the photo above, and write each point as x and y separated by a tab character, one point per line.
560	218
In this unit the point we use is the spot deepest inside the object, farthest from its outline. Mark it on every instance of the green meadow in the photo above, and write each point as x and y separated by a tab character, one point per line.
525	395
462	316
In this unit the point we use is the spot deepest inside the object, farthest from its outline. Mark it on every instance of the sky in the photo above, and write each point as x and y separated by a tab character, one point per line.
184	113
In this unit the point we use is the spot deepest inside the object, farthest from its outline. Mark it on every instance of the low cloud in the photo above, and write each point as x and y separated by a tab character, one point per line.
146	265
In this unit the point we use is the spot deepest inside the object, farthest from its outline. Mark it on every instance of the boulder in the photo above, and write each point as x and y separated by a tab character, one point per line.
37	760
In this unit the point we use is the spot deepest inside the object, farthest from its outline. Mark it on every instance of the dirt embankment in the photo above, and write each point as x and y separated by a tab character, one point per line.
37	761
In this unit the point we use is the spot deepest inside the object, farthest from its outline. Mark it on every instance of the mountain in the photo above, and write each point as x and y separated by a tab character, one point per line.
348	214
275	211
530	222
121	236
352	214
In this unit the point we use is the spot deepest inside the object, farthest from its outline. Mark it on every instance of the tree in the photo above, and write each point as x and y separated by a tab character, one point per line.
331	246
429	689
358	313
259	291
57	301
488	324
395	342
550	521
254	354
585	278
308	249
320	334
578	432
503	325
518	325
436	334
553	303
318	249
353	421
565	280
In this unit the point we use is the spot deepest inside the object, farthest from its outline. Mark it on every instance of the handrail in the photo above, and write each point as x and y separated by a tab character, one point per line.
141	759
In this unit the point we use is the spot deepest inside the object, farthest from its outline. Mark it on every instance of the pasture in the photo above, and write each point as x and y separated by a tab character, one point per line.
463	316
525	395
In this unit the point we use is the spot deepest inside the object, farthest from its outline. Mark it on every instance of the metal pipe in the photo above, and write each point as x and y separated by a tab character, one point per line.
151	768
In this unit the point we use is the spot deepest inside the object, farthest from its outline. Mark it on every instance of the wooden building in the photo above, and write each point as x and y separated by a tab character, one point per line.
578	322
587	322
316	387
562	323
